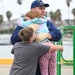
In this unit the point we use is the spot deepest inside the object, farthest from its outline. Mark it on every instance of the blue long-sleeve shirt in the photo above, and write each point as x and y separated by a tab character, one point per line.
56	34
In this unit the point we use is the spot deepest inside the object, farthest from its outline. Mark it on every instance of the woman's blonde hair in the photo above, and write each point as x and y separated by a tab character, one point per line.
32	14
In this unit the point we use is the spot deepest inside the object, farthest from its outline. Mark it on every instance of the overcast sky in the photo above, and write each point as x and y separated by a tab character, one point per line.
12	6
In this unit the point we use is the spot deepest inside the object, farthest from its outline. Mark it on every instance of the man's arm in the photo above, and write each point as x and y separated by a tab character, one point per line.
15	38
55	34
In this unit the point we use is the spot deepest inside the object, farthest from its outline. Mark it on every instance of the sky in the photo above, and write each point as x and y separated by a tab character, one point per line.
11	5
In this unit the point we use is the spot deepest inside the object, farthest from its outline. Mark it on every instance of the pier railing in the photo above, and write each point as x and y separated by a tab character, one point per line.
61	61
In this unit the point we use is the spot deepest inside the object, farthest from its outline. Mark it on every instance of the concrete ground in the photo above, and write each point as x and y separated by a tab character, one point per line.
67	70
4	70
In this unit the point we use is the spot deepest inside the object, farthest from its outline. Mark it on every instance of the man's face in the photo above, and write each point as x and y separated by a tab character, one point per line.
40	10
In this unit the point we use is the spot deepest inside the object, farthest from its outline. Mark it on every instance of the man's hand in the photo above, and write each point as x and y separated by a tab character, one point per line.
34	26
41	36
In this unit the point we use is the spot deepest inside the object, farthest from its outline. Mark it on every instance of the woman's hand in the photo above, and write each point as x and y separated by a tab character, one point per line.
41	36
34	26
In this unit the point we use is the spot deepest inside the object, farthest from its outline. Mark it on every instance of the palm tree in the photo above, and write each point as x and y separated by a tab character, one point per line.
2	6
55	17
52	16
58	17
8	14
19	2
73	12
58	14
1	19
68	4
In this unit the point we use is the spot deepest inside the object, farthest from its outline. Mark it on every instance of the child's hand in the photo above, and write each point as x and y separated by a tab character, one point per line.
41	37
62	48
34	26
58	47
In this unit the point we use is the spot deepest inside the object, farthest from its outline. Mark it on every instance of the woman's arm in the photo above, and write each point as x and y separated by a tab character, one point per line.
23	23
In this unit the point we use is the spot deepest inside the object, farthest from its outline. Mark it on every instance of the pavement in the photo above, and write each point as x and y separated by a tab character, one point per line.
4	69
66	70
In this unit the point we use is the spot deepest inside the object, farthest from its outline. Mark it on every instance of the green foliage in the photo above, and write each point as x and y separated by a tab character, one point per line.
55	15
10	30
1	18
19	2
68	2
73	11
8	14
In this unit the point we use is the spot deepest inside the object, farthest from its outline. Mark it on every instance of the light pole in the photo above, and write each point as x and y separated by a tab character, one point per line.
2	7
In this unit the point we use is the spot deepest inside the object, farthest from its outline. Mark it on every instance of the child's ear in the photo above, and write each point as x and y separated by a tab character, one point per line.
31	39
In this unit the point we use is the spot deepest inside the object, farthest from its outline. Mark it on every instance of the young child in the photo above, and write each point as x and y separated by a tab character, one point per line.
33	17
27	53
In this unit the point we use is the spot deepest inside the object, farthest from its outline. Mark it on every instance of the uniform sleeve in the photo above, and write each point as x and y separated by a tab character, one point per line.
56	34
15	38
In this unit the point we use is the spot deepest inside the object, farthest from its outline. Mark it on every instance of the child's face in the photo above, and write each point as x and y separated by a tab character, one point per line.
27	18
